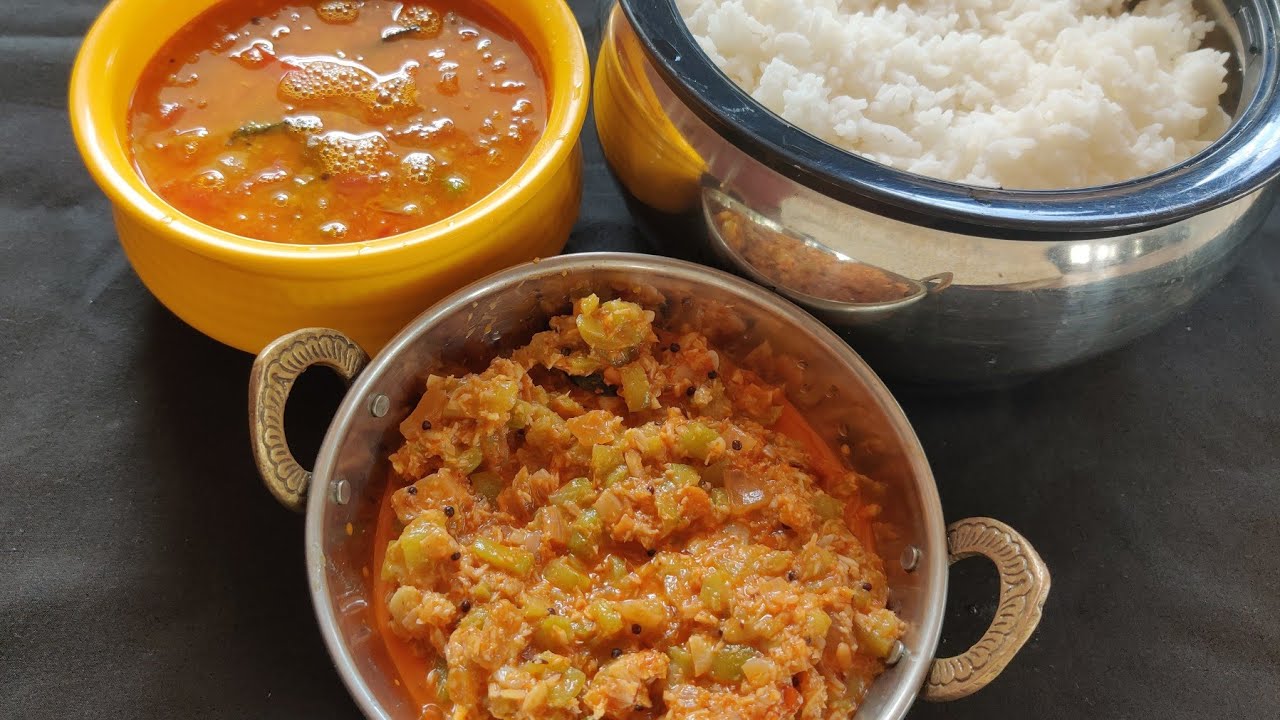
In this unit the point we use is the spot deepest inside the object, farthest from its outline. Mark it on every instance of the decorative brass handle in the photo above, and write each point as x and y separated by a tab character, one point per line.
274	372
1024	586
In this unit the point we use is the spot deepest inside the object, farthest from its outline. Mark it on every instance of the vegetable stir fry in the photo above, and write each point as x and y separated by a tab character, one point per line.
609	524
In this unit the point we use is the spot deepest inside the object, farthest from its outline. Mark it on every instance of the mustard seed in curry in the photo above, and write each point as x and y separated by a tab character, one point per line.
615	522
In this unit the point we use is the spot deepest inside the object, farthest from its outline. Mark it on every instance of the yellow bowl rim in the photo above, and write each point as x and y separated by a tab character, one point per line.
112	167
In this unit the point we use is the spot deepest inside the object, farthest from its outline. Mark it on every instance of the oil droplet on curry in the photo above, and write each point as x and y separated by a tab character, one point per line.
335	121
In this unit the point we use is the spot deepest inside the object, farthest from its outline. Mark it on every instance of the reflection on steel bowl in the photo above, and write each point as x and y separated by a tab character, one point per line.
857	424
1038	279
806	268
834	286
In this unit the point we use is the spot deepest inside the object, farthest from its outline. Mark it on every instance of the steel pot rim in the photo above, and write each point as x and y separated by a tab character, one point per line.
1244	159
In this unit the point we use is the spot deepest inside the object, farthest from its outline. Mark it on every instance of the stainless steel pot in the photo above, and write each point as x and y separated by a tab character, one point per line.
1037	280
822	376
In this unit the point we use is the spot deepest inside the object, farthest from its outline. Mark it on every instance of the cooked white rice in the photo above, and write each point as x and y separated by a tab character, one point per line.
1032	94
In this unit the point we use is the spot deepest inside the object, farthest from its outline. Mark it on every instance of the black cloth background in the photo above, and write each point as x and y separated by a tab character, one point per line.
144	571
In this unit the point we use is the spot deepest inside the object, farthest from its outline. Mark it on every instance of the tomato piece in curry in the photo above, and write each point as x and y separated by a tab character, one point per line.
338	120
615	522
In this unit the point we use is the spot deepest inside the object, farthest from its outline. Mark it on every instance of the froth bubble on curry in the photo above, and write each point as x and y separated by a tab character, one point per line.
615	521
335	121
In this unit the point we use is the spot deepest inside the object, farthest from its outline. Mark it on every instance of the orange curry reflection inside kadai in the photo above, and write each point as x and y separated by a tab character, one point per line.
335	121
615	522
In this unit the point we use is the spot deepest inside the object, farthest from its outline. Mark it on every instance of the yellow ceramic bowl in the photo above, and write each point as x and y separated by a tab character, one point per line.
648	154
247	292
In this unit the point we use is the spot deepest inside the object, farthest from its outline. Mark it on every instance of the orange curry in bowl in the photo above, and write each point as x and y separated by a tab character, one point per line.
337	120
616	522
